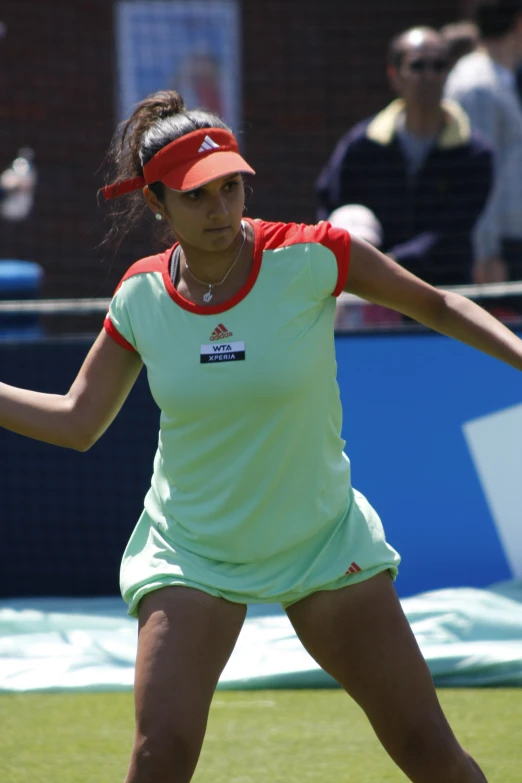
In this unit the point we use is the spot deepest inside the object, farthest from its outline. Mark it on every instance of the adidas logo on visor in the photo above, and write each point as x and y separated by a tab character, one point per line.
208	144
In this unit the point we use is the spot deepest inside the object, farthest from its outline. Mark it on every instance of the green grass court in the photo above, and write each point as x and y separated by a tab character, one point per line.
253	737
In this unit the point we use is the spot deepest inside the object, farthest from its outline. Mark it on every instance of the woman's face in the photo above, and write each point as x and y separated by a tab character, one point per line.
208	218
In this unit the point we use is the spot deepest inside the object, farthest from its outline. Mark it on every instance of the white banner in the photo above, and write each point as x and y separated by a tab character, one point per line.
191	47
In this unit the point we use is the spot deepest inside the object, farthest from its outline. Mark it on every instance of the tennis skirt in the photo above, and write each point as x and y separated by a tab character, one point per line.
352	549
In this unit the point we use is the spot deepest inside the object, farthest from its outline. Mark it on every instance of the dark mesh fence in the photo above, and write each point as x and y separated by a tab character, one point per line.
66	516
291	77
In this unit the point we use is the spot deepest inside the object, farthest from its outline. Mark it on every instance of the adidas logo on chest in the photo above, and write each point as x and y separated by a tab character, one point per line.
220	333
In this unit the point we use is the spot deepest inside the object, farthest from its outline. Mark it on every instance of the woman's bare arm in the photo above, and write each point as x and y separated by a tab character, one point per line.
77	419
375	277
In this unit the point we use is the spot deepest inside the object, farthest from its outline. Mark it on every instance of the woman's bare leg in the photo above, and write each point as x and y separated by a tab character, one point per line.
360	636
185	640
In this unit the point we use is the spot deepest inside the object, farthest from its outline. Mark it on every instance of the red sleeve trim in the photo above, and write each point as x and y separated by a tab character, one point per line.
116	336
150	264
276	235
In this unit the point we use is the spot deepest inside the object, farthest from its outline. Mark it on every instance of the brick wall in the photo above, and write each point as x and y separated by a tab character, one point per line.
311	68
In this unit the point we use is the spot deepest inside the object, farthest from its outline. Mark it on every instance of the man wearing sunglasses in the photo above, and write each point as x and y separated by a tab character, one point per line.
484	83
416	165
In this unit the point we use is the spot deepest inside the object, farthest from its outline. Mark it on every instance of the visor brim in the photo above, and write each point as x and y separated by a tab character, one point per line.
195	174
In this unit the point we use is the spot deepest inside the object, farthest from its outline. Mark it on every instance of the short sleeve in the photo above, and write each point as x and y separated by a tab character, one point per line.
117	321
330	260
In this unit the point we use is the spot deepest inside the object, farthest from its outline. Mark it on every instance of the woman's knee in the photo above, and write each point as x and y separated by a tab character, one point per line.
168	755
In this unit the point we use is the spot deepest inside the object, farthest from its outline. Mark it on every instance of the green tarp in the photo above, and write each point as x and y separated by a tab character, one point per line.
469	637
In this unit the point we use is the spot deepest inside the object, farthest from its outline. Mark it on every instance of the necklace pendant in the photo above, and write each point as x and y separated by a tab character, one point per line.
208	296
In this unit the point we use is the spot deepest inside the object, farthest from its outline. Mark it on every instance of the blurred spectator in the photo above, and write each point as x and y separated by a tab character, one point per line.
18	181
17	186
518	77
484	84
360	221
461	38
416	166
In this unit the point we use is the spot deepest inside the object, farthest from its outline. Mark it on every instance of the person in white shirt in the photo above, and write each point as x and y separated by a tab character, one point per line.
461	38
484	84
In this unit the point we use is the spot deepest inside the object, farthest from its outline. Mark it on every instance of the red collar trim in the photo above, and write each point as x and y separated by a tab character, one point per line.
245	289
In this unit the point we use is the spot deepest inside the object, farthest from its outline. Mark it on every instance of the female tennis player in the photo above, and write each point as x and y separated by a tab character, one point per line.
251	499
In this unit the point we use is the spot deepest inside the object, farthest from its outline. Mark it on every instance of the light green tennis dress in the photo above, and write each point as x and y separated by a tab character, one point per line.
250	498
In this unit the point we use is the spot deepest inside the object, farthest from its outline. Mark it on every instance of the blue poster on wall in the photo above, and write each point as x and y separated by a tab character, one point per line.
189	47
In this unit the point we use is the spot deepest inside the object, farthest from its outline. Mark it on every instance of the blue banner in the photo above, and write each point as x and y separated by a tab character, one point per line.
434	433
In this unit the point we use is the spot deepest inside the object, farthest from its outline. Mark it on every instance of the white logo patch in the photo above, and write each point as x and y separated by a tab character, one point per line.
224	352
208	144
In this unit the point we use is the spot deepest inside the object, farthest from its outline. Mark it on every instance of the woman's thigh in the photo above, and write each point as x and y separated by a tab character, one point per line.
360	635
185	640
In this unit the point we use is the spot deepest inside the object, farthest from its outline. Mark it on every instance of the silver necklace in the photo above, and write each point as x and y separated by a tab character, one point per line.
208	295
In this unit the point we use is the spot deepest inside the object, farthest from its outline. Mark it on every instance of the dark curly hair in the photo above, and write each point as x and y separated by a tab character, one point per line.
155	122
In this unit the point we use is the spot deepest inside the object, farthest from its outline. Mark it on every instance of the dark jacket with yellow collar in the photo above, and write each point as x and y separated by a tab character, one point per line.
428	218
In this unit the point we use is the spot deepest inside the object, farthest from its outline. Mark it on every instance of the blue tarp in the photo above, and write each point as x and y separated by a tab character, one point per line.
469	637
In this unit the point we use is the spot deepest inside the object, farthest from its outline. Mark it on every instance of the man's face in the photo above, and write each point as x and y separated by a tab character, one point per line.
423	71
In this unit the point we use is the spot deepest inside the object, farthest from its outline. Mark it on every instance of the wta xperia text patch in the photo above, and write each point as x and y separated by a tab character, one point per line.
224	352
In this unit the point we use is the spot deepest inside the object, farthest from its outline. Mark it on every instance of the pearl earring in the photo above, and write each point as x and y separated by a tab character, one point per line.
158	216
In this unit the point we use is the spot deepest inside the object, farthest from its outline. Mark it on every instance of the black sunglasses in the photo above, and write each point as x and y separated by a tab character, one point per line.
439	65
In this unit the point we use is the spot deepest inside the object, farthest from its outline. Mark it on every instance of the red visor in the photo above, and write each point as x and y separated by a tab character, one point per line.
188	163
